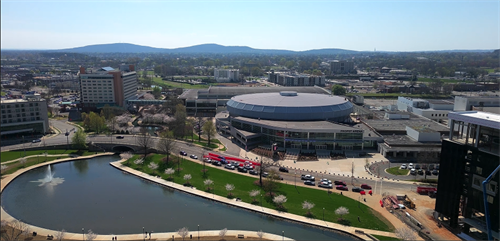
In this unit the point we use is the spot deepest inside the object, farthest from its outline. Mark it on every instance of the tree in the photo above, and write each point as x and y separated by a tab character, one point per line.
15	231
187	177
55	110
338	90
79	140
153	166
405	233
223	233
271	183
279	200
90	235
262	168
208	183
342	211
107	112
139	161
253	194
180	120
3	167
209	130
144	140
166	143
157	92
183	232
260	234
169	171
22	161
60	235
126	155
148	96
229	188
307	206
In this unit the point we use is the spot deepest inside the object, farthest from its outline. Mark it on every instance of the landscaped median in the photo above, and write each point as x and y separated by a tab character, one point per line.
397	171
191	175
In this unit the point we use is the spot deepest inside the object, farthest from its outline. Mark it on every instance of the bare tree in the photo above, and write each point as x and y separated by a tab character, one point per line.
169	171
183	232
14	229
139	161
144	140
187	177
148	96
208	183
307	206
264	165
90	235
55	110
223	233
229	188
342	211
60	235
126	155
405	233
166	144
271	182
260	234
279	200
253	194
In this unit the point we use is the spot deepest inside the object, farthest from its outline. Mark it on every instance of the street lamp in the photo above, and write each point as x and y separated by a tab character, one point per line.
198	232
323	214
261	202
283	234
83	234
143	237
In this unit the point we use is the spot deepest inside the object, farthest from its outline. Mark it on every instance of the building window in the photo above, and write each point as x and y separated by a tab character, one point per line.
38	118
479	170
36	104
3	116
24	119
4	121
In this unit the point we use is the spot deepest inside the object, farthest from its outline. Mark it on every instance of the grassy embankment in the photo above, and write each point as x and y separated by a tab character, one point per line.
244	184
11	155
397	171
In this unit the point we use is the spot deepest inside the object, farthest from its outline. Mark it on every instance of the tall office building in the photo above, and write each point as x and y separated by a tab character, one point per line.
107	86
227	75
341	67
295	79
24	117
468	157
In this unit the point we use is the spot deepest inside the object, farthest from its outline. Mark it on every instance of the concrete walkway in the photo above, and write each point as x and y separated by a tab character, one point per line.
297	218
27	157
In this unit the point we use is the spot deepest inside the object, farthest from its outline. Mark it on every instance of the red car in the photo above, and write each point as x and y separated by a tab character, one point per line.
339	183
341	187
366	186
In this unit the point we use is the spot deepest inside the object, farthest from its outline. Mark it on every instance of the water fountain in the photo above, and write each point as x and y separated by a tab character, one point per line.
49	176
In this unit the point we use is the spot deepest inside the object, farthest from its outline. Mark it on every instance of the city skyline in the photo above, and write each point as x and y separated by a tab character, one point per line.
287	25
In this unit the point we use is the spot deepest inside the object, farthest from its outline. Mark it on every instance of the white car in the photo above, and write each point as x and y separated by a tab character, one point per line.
325	185
403	166
413	171
229	166
325	180
410	166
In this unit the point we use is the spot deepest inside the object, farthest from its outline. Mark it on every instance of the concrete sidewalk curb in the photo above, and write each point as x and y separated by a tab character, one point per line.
27	157
76	125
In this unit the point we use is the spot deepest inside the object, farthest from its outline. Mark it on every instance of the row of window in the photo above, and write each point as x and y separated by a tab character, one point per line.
19	115
19	105
440	115
20	110
20	120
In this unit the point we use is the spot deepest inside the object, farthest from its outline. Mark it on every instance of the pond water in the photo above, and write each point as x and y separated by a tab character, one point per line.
91	194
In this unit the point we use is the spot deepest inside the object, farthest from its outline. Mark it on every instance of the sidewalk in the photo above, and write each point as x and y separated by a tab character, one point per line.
27	157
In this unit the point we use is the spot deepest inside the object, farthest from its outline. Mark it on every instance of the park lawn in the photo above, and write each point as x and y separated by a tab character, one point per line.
11	155
13	167
380	237
397	171
204	142
244	184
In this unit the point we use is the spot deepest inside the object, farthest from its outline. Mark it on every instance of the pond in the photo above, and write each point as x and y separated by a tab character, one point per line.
91	194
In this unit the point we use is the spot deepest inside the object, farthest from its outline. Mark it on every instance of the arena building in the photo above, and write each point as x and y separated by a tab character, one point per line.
294	122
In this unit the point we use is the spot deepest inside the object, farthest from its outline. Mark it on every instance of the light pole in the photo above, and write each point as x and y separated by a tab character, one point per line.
198	232
24	147
261	202
323	214
283	234
83	234
143	237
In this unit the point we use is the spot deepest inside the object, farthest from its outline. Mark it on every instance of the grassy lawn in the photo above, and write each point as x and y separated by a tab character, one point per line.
244	184
397	171
11	155
13	167
204	142
380	237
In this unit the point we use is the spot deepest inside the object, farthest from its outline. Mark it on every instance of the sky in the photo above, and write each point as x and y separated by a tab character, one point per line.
276	24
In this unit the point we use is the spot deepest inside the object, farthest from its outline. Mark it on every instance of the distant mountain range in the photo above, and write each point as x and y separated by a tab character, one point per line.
216	49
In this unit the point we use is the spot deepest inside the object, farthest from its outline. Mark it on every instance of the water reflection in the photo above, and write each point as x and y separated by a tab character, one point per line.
82	166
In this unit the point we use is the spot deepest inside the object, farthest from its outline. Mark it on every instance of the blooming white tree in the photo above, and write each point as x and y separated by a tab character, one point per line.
126	155
279	200
167	119
307	206
222	233
260	234
148	96
183	232
169	171
208	183
187	177
153	166
22	161
60	235
147	118
3	167
90	235
405	233
158	118
342	211
123	120
253	194
139	161
229	188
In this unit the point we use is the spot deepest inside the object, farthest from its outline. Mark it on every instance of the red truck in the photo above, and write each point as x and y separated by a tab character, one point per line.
425	190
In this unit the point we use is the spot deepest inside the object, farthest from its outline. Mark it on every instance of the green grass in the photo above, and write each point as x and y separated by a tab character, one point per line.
204	142
395	95
13	167
397	171
3	93
380	237
79	123
11	155
295	195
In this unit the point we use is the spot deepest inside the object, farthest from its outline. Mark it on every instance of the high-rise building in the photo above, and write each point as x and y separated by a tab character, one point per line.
341	67
468	157
24	117
227	75
294	79
107	86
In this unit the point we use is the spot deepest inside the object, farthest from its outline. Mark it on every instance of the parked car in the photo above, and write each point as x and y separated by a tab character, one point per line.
216	163
309	182
265	174
283	169
403	166
36	140
417	166
427	172
342	187
183	153
413	172
193	156
325	185
326	180
235	163
410	166
307	177
253	172
431	167
437	167
242	169
357	189
229	166
207	160
420	172
340	183
366	186
435	172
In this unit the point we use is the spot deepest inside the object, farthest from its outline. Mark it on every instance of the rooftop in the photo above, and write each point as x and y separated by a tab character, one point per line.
400	125
477	117
298	100
405	140
226	92
300	126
